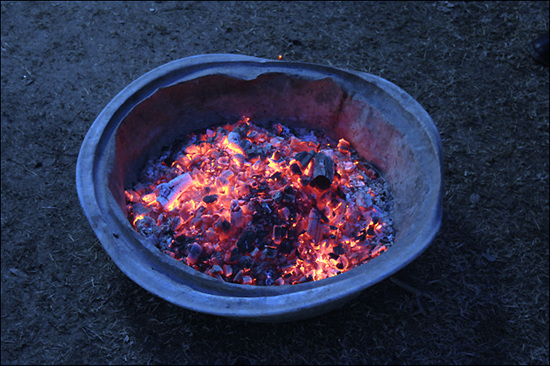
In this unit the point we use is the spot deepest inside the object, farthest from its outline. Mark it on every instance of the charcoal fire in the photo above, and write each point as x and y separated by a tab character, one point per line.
263	205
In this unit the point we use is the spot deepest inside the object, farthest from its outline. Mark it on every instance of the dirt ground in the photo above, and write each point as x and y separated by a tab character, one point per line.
478	295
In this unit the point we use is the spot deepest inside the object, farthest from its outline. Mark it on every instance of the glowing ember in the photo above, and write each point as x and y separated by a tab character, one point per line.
251	206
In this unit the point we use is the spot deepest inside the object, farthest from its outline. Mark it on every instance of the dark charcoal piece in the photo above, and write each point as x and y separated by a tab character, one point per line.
210	198
226	225
276	176
338	249
168	161
278	197
246	261
194	253
279	232
271	252
333	255
304	157
362	235
305	181
295	168
263	186
286	247
289	194
323	172
340	193
293	234
181	242
322	215
246	241
235	255
370	231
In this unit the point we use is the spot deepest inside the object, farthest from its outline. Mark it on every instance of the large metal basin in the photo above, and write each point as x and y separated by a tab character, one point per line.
383	123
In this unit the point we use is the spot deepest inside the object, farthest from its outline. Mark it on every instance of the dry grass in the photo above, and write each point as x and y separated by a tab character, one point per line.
478	295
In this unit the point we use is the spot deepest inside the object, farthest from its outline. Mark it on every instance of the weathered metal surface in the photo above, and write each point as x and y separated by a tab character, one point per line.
382	122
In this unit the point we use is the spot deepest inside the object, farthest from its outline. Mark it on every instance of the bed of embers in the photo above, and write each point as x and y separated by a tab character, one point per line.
263	206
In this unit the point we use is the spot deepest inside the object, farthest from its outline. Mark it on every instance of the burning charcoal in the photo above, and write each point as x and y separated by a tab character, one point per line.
247	280
198	215
238	277
343	146
236	214
362	235
279	232
295	168
363	199
234	137
284	213
211	234
239	160
147	226
227	270
246	241
164	243
262	242
314	227
304	157
167	161
216	269
209	249
169	192
276	156
276	176
139	209
323	172
322	215
194	254
211	198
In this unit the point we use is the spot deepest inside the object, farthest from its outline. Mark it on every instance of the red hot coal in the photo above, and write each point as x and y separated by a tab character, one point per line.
261	206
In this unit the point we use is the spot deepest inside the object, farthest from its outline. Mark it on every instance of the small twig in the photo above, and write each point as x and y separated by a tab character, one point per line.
22	166
415	292
409	288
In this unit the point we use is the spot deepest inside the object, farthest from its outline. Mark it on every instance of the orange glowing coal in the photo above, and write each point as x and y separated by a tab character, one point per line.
259	206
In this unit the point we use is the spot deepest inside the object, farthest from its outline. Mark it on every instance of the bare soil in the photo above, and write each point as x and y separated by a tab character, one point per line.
478	295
